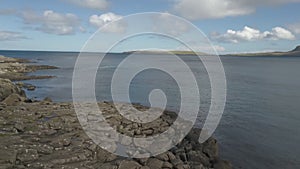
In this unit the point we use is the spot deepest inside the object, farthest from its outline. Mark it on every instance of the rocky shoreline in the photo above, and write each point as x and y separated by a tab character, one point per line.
44	134
17	69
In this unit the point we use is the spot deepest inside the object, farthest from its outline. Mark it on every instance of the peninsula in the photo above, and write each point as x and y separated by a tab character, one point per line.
294	52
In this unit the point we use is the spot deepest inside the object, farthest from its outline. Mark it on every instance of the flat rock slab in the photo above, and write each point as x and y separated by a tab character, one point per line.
48	135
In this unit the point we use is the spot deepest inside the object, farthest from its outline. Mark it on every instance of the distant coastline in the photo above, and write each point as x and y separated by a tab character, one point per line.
294	52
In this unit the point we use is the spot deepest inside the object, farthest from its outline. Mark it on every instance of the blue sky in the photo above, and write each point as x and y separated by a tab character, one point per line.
233	26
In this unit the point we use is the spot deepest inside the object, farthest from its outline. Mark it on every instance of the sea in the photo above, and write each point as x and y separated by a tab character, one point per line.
260	126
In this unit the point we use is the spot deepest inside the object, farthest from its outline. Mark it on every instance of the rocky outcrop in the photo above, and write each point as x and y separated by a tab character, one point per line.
15	69
48	135
8	88
297	49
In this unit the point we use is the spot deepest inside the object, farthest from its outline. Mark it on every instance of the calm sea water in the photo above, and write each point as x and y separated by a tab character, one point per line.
260	128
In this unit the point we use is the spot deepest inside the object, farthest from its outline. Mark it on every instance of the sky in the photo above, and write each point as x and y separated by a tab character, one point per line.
232	26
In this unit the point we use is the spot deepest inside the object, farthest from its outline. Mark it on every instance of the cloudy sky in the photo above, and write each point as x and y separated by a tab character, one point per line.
233	26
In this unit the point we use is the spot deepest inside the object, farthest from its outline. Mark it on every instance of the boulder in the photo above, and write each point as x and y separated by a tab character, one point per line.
154	163
222	164
7	88
13	100
105	156
126	164
210	147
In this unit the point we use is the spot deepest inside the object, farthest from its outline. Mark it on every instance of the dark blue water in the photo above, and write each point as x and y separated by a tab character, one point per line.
260	127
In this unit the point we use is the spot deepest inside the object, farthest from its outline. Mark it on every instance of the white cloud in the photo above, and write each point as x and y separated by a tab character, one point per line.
10	36
108	22
52	22
282	33
207	9
91	4
251	34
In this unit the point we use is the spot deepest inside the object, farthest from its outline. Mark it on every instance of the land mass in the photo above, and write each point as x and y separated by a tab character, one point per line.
294	52
174	52
18	69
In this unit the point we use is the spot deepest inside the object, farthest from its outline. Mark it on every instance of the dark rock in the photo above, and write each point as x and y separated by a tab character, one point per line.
210	147
297	49
47	99
182	166
194	156
30	87
176	162
183	157
222	164
26	86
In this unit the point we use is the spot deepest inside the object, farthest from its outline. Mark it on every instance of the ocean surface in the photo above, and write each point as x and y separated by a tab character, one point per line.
260	127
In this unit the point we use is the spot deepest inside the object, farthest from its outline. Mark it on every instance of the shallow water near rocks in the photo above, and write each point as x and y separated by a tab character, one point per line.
260	125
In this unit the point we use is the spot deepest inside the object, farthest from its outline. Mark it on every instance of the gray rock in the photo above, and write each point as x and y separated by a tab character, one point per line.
163	157
197	156
167	165
129	165
107	166
105	156
171	156
147	132
154	163
7	88
20	126
176	162
53	138
145	167
27	155
13	100
182	166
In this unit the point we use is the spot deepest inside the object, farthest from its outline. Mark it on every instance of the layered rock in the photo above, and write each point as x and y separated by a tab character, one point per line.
8	88
48	135
16	69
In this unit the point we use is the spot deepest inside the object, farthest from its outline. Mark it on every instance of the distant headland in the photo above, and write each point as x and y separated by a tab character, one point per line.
294	52
161	52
